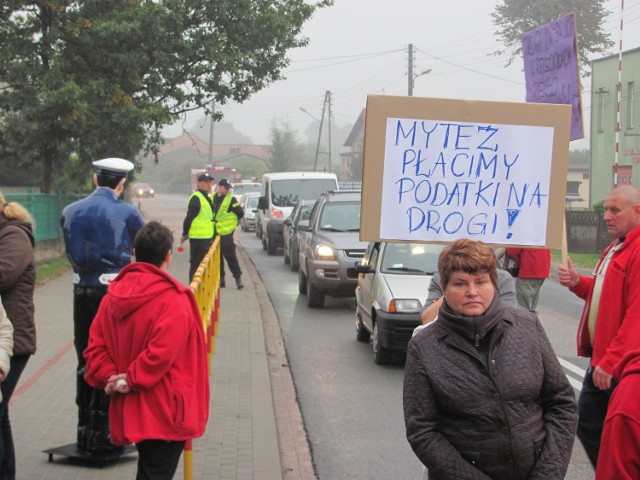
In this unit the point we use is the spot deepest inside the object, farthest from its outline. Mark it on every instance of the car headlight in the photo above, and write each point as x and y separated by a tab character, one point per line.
152	191
140	192
404	305
324	252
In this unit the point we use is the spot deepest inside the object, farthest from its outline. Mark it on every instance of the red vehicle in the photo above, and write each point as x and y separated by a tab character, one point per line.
217	173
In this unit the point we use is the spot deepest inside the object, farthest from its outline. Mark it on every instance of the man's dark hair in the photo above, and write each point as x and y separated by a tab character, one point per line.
152	243
110	181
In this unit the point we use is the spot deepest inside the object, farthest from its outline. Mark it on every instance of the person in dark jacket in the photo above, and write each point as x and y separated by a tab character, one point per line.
17	283
484	394
98	236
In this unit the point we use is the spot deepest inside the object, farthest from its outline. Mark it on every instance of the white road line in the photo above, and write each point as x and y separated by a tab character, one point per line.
575	369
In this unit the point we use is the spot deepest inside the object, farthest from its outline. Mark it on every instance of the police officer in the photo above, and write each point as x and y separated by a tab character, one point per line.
226	213
98	234
198	224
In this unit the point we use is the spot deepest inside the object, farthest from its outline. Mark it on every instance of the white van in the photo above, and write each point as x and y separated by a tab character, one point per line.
280	192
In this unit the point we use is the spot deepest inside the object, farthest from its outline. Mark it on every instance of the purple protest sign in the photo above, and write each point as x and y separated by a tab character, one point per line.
551	68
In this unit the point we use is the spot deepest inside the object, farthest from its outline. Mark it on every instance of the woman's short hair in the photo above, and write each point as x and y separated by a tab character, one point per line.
152	243
469	256
15	211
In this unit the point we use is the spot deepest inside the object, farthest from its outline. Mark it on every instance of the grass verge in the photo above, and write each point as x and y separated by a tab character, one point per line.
51	269
582	260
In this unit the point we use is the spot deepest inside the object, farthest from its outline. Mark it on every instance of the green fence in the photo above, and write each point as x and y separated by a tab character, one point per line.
46	209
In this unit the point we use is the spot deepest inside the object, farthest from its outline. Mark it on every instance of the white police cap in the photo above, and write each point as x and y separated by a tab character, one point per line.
116	167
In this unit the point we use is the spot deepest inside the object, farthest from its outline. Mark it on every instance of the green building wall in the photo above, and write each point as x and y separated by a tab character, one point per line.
604	105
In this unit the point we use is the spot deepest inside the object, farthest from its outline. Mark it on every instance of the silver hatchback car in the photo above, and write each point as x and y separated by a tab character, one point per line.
393	284
330	247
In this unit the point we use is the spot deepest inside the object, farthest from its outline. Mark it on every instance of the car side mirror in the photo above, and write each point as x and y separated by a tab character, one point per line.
303	226
262	203
364	269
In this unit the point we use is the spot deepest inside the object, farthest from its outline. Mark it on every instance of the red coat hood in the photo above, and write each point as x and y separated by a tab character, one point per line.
134	287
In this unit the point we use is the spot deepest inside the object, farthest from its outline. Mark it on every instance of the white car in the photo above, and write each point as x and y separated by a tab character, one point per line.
393	284
250	205
239	190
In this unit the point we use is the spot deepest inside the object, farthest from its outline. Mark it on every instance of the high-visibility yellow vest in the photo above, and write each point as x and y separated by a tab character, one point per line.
202	225
226	222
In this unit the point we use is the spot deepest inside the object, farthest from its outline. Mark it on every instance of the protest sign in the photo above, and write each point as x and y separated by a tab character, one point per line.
437	170
550	55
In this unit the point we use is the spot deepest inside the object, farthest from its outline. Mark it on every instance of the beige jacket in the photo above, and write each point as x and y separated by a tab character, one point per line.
6	344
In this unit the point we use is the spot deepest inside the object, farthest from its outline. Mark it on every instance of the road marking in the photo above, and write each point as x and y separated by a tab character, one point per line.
575	369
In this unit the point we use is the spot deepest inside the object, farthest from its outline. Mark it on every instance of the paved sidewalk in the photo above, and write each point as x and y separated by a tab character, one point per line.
253	433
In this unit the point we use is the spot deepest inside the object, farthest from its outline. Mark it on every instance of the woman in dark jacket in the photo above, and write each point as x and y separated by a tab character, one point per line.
484	394
17	282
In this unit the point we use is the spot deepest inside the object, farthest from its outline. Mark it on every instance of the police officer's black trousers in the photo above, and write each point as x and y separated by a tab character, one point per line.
93	403
228	252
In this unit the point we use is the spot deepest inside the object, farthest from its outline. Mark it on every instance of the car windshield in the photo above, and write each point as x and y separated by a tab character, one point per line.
286	193
252	201
244	188
341	217
411	258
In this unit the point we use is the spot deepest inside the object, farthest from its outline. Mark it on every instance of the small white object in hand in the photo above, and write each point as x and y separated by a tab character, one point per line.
121	383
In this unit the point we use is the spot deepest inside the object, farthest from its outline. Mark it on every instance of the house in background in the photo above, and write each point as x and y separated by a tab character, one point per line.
577	196
190	146
604	109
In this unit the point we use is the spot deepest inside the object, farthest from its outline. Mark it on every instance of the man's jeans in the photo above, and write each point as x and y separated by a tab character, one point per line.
592	409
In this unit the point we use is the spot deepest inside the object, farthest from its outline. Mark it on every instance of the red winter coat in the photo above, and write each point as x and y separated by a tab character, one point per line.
533	262
618	326
148	326
619	456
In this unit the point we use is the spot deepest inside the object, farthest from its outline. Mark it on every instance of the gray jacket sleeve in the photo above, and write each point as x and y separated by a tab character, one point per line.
6	343
507	289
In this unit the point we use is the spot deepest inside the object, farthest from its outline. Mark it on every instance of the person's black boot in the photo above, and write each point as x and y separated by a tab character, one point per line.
239	283
83	420
222	283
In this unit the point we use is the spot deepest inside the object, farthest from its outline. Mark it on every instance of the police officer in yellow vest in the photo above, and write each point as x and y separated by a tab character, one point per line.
198	224
226	213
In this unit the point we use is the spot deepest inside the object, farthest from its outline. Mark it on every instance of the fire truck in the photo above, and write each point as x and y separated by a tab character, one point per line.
217	173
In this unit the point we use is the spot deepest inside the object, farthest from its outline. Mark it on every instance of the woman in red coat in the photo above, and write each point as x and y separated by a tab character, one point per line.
146	348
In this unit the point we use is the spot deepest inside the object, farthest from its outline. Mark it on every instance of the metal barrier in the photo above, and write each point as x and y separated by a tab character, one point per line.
205	286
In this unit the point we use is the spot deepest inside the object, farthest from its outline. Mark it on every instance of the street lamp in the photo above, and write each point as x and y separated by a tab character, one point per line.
413	80
302	109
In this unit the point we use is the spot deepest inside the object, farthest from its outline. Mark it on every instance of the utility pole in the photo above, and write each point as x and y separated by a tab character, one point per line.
327	103
328	99
410	70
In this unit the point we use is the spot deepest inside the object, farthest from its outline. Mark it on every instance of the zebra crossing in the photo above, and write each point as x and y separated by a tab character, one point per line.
575	371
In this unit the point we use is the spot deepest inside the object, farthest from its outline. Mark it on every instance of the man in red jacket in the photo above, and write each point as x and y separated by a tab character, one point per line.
534	266
610	323
146	348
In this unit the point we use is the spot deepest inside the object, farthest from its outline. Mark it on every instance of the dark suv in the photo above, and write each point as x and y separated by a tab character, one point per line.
330	248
